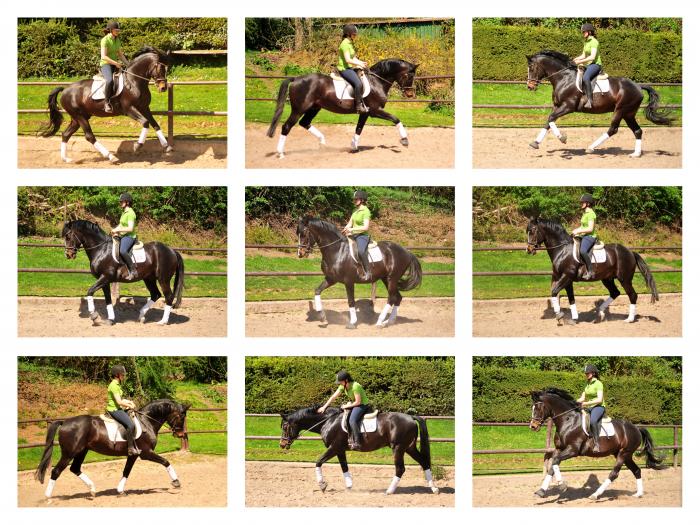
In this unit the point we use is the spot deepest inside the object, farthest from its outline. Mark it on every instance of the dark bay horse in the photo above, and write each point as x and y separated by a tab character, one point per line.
571	441
620	264
311	93
80	434
161	264
623	99
147	63
399	269
394	429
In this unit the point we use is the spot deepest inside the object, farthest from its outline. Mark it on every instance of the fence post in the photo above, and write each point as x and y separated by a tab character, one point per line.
170	114
675	446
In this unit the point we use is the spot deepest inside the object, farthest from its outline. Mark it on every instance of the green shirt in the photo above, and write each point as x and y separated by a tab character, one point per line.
588	47
591	391
113	389
345	45
112	45
355	388
586	220
357	220
128	216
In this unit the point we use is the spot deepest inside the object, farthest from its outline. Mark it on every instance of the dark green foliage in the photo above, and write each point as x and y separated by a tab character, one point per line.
205	369
420	385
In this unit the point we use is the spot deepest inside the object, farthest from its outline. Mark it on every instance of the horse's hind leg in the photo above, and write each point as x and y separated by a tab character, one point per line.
361	121
343	460
75	468
155	295
305	123
56	472
614	126
286	128
637	130
130	460
65	137
385	310
572	302
169	296
612	477
90	137
632	294
614	293
152	456
418	458
399	468
634	469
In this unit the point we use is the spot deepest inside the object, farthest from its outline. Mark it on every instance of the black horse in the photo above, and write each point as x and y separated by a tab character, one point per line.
161	263
311	93
146	64
620	263
571	441
338	266
394	429
79	434
623	99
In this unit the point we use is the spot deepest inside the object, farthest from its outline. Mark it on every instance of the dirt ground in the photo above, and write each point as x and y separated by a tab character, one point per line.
37	152
379	148
68	317
295	486
418	316
662	488
203	480
508	148
535	318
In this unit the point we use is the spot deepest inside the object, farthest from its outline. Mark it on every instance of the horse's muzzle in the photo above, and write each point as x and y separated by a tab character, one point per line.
285	444
179	434
410	92
70	255
162	87
535	426
532	85
531	250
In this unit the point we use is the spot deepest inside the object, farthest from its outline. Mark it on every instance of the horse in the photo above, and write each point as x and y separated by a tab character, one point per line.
146	64
394	429
161	263
620	263
571	441
399	269
309	94
80	434
623	99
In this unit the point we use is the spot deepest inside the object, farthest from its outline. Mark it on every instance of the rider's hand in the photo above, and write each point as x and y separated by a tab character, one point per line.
321	410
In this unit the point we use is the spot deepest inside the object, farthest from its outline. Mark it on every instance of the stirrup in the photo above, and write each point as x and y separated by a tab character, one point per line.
362	108
108	108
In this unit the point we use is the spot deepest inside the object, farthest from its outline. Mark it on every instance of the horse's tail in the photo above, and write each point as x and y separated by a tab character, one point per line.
45	462
281	97
653	461
652	111
414	277
424	441
179	280
648	277
55	118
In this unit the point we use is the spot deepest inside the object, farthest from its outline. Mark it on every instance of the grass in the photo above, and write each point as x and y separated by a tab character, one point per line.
527	118
185	98
269	450
499	438
508	287
294	288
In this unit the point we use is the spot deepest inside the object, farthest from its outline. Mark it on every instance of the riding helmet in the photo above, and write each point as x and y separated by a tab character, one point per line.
591	369
360	194
341	376
588	27
587	198
112	24
126	197
349	29
117	370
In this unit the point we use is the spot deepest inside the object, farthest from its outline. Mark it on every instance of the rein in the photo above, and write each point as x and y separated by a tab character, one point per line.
292	440
539	80
147	79
390	82
309	245
553	417
152	418
82	245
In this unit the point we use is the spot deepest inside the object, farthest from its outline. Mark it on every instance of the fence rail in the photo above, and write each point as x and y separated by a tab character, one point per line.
71	270
549	106
635	248
56	245
549	273
294	247
317	274
660	84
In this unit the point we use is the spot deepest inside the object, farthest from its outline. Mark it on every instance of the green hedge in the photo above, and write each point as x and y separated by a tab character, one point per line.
418	385
498	52
501	394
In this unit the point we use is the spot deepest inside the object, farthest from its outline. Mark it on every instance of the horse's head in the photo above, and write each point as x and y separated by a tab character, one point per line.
305	239
540	411
176	419
399	71
546	65
406	78
71	240
535	237
534	72
290	431
153	64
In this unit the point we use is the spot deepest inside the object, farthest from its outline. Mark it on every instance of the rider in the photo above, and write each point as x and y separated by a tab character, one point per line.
115	405
592	398
587	231
347	59
358	228
110	54
358	404
591	59
127	226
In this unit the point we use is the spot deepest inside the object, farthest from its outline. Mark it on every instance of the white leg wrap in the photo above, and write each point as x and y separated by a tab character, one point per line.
348	480
280	145
402	130
145	308
319	474
574	315
555	129
91	303
171	472
353	315
161	138
640	489
546	482
555	304
633	313
355	144
316	133
49	488
317	303
637	148
602	488
99	147
392	486
142	136
110	312
599	141
121	486
541	135
166	315
557	473
64	154
385	312
85	479
608	301
394	313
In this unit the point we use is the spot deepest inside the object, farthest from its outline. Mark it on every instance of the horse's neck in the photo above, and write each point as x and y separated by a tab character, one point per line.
384	81
94	242
555	242
558	408
155	421
558	73
325	237
140	66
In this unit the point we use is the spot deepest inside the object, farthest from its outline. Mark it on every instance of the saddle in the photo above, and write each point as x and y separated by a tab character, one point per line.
344	91
369	421
98	86
137	251
598	254
600	82
607	429
374	254
115	430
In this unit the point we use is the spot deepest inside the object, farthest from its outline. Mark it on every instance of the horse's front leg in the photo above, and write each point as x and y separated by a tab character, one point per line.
328	454
350	290
553	471
558	284
167	148
556	113
100	283
130	460
572	302
343	460
361	121
152	456
318	306
380	113
106	289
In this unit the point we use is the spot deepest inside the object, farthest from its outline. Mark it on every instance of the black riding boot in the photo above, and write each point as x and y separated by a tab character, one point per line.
133	274
108	98
595	433
366	268
355	438
132	449
588	88
588	274
359	103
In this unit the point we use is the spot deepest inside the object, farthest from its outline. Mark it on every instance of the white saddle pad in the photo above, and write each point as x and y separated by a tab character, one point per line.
368	424
597	255
344	91
375	254
607	429
98	86
601	83
138	253
115	431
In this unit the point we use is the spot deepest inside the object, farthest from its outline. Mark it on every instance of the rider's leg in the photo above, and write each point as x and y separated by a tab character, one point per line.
354	422
124	247
123	418
596	416
107	73
353	78
591	72
362	243
586	244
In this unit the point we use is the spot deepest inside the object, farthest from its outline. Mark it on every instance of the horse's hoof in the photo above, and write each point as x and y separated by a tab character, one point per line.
67	160
637	495
599	318
351	326
435	490
162	323
628	320
137	147
563	138
176	483
571	322
280	155
594	497
635	155
563	487
92	494
404	142
540	493
142	320
534	145
108	322
322	485
589	150
168	150
113	159
121	494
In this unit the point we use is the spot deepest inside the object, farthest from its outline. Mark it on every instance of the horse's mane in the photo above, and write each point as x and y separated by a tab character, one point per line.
384	67
563	394
82	224
161	407
303	413
325	226
145	50
558	56
553	226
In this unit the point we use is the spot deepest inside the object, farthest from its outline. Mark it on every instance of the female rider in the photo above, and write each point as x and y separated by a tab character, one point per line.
110	55
115	405
358	404
587	232
591	59
346	61
592	398
127	227
358	228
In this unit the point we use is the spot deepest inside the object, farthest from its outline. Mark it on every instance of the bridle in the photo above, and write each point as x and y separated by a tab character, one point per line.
148	79
173	430
542	79
80	243
291	440
309	246
536	245
541	420
391	82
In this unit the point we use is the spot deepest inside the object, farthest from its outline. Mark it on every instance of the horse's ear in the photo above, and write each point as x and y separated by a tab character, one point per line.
535	396
186	406
284	417
415	67
529	57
